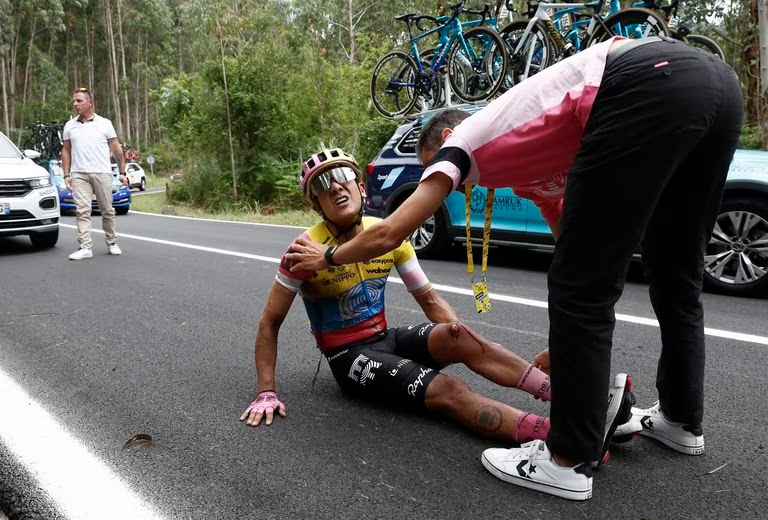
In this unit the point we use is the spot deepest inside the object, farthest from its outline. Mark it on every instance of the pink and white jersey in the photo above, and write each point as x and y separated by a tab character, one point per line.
527	138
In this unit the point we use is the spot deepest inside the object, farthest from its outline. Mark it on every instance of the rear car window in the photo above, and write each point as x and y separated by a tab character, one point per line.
407	144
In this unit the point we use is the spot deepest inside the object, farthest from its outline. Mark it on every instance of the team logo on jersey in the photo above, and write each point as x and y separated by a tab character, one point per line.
418	382
363	368
400	364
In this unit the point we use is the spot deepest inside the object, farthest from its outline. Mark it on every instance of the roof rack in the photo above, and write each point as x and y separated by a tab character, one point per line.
425	115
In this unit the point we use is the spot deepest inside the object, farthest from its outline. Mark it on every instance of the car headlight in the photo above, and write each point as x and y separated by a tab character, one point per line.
42	182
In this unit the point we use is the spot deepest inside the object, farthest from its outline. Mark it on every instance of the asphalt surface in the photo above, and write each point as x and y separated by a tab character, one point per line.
159	341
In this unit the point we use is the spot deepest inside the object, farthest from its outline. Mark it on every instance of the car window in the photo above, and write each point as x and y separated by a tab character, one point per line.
407	145
7	149
56	169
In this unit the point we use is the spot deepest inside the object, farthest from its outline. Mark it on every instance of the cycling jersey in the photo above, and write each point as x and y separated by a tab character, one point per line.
345	304
527	138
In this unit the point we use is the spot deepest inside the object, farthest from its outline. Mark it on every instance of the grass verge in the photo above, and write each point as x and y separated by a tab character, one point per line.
156	202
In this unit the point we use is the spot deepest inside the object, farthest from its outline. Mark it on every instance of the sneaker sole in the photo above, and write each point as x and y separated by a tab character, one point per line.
686	449
623	415
570	494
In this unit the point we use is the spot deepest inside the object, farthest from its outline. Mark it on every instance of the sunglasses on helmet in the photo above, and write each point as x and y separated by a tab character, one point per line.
322	182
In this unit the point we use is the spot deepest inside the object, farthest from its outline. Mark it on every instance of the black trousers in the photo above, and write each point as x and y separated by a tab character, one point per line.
649	175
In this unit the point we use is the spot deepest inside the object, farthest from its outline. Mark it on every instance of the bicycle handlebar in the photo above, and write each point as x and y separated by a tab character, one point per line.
414	17
417	20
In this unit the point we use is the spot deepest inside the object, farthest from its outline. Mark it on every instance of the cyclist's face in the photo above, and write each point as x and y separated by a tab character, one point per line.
342	201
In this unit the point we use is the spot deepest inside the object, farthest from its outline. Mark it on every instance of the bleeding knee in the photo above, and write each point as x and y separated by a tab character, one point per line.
465	335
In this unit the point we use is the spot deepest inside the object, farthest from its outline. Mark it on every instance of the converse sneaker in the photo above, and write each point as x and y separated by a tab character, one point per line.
113	249
680	437
83	252
532	466
620	401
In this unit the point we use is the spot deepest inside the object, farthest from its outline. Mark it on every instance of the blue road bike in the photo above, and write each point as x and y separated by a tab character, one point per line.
474	62
538	42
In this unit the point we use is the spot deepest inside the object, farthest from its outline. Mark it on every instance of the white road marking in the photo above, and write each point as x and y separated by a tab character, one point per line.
76	480
749	338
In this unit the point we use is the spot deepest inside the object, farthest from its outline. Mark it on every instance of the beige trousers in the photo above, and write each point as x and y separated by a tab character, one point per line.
84	187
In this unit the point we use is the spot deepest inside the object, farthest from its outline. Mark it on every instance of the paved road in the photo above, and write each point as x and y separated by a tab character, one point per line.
159	342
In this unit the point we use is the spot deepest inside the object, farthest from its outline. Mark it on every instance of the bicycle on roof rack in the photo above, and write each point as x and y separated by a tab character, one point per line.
681	32
474	62
46	139
537	43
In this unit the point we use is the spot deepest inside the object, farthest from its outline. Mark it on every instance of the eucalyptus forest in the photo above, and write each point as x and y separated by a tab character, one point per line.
235	93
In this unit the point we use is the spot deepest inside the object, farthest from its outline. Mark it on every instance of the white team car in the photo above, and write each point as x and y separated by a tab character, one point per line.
29	202
137	178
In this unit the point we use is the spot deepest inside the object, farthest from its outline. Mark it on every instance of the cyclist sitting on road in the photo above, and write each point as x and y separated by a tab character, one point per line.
345	306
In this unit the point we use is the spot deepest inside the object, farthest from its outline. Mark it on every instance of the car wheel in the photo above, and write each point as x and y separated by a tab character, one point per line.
45	239
431	239
736	258
143	185
121	211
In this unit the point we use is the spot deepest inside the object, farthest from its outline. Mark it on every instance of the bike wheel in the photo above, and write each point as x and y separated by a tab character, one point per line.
477	65
631	23
394	84
534	55
705	43
436	97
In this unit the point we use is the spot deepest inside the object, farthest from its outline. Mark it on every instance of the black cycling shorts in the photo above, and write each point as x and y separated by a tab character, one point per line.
395	366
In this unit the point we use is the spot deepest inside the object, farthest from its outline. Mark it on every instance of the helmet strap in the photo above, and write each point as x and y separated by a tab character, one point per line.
342	230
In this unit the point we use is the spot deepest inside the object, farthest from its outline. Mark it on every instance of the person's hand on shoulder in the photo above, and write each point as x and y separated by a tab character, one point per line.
307	255
264	406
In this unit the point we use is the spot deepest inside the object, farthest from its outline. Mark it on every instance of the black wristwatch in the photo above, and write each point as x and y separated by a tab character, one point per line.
329	255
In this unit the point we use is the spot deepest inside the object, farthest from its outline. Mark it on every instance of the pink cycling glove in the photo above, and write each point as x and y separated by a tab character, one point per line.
266	402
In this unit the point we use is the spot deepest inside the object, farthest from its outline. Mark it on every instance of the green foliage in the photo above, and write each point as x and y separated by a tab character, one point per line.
200	185
266	82
373	136
750	138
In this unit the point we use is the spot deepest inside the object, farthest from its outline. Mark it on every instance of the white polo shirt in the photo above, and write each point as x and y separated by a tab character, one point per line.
90	144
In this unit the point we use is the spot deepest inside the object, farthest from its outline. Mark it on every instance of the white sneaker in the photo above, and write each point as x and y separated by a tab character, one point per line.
531	466
619	426
680	437
81	253
114	249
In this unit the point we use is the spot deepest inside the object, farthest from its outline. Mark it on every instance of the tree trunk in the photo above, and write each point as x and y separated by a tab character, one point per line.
114	80
24	91
351	31
4	81
229	115
126	130
762	22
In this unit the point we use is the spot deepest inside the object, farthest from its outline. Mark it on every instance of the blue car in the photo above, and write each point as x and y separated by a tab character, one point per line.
736	257
121	194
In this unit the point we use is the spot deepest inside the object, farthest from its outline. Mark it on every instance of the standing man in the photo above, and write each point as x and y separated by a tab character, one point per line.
89	139
644	132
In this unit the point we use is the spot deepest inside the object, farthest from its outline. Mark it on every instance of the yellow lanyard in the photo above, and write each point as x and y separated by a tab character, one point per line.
480	289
